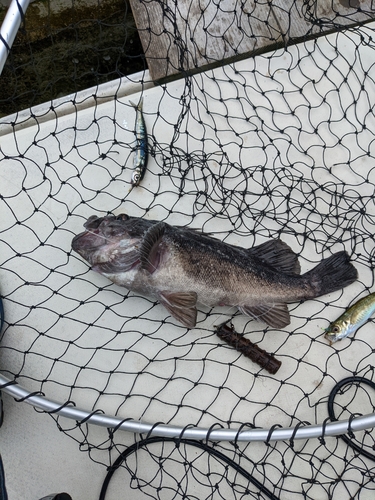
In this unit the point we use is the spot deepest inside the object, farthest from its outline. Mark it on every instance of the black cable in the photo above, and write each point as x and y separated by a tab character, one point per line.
335	390
205	447
198	444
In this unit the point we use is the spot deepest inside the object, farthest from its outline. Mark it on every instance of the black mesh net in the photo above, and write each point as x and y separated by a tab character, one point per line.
278	144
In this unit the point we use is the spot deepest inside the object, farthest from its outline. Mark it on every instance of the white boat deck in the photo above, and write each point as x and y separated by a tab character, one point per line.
75	164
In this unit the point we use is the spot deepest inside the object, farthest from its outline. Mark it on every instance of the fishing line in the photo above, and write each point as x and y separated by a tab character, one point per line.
349	440
198	444
100	236
226	314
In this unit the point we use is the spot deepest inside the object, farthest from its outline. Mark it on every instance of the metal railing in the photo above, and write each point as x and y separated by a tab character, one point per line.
244	433
10	26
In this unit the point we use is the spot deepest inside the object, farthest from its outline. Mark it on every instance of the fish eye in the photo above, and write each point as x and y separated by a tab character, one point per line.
122	217
136	177
335	329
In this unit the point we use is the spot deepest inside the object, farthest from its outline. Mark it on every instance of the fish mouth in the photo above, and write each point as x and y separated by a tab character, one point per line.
331	339
88	240
99	232
91	239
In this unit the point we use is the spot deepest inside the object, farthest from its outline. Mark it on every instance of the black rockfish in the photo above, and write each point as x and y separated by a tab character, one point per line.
180	267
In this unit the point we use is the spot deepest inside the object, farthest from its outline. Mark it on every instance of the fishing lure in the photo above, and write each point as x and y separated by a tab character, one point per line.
352	319
247	348
141	152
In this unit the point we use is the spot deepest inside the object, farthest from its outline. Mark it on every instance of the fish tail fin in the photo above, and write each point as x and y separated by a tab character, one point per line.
138	106
332	274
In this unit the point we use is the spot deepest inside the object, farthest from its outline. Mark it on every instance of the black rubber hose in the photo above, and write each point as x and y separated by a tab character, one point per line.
198	444
331	400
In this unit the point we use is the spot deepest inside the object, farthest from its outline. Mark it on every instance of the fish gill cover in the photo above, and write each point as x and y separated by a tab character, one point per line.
275	142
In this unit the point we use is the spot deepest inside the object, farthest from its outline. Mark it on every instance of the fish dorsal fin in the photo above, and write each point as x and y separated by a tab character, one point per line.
277	254
150	253
275	315
181	305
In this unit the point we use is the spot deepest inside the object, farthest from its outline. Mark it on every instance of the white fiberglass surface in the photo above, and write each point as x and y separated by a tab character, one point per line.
270	147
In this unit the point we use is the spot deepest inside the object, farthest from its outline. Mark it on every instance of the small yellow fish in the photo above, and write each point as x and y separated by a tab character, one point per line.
352	319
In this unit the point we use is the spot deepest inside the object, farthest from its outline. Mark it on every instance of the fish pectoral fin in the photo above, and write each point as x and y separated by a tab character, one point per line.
278	254
120	262
182	306
150	251
275	315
